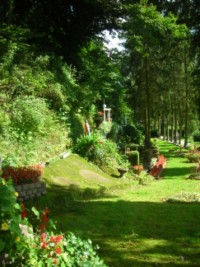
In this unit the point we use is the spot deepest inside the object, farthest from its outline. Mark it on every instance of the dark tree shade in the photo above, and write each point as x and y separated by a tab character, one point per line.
62	26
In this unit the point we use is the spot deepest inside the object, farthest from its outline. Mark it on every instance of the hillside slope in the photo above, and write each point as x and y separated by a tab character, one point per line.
76	171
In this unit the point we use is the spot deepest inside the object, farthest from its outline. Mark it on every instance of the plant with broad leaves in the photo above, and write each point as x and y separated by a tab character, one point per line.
28	242
10	219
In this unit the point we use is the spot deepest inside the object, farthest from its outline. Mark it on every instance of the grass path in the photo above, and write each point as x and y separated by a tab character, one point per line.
133	224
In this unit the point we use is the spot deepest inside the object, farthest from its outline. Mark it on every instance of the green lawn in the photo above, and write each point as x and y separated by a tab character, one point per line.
133	224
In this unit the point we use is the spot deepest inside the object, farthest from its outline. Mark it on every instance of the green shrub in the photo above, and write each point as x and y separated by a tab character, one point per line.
195	176
133	157
9	216
31	132
193	157
196	136
86	145
49	249
125	134
102	152
105	128
184	197
33	245
131	133
54	95
145	178
77	126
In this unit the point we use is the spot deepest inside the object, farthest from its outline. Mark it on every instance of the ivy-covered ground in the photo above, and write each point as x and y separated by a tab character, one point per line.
135	225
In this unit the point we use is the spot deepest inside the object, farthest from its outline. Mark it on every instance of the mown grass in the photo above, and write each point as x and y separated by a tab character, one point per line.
133	224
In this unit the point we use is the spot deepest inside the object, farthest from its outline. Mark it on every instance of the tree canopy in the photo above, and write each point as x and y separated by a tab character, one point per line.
53	53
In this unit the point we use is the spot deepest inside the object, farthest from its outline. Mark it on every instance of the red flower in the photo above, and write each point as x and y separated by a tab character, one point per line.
55	261
23	212
47	210
44	244
58	250
42	227
59	238
43	236
53	239
22	175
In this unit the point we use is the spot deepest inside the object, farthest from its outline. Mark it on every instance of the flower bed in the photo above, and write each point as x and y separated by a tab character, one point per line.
26	181
29	240
23	175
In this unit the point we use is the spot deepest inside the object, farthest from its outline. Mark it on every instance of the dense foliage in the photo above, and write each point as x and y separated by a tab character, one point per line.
31	244
55	73
103	152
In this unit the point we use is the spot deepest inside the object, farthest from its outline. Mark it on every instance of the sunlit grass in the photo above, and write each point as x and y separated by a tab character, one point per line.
132	223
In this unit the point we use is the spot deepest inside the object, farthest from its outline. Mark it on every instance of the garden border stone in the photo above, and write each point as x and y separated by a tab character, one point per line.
28	191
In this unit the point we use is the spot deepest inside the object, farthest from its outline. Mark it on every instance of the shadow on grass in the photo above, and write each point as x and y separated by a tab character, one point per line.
136	233
169	173
130	234
61	198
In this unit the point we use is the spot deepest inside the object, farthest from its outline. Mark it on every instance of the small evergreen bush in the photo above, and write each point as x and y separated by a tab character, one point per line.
133	157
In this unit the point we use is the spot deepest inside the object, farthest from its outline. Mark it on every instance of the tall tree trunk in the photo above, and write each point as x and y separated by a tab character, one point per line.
175	122
159	126
147	106
167	128
172	127
180	126
186	99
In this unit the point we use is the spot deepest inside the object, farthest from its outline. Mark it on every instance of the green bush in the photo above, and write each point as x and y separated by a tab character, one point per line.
86	145
132	134
77	126
28	245
49	249
126	134
30	115
196	136
54	96
133	147
9	217
195	176
145	178
105	128
31	132
193	157
102	152
134	157
184	197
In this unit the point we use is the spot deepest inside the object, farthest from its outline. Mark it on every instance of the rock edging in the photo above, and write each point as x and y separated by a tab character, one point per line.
28	191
